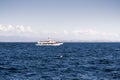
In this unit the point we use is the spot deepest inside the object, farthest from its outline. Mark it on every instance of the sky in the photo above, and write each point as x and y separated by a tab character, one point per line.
64	20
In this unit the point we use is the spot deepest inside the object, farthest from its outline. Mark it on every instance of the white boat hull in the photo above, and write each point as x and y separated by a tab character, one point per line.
49	43
57	44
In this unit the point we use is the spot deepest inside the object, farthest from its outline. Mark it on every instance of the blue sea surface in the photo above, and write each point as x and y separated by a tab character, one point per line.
70	61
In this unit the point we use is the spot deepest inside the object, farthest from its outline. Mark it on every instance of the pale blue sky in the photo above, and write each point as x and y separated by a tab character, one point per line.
64	17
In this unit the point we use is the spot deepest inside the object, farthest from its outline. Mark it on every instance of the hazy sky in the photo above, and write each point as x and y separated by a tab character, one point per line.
32	20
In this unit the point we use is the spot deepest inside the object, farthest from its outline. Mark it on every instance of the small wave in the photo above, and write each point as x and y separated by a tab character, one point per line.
100	61
12	68
108	70
2	68
115	75
30	74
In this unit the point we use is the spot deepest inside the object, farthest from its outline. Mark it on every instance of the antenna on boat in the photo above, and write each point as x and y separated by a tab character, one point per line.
49	39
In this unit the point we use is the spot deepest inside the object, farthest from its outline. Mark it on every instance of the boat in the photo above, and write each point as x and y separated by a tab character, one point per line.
49	42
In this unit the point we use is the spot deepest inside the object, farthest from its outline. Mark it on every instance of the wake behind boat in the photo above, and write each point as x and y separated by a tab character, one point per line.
49	43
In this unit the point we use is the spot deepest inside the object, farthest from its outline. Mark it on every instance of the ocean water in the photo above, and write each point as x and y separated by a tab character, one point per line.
70	61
